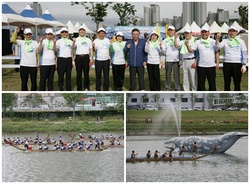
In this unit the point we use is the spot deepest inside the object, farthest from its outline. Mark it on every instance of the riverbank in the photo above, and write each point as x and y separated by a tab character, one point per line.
107	125
192	122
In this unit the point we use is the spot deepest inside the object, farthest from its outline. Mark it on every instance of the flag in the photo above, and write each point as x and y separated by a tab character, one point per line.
166	30
158	31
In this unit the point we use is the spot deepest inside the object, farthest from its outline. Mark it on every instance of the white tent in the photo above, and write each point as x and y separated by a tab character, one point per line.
235	24
77	25
88	31
72	29
225	27
215	28
195	28
187	26
206	24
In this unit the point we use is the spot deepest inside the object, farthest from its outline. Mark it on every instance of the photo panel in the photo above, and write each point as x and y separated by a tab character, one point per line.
179	137
79	134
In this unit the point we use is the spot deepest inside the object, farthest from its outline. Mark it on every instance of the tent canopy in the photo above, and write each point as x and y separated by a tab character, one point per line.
235	24
187	26
195	28
225	27
29	13
88	31
215	28
48	17
10	17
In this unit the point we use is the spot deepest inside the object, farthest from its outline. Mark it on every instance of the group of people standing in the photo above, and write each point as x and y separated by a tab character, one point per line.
198	58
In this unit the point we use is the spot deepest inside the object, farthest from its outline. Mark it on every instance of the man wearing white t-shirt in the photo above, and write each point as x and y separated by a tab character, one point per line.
207	60
46	49
83	60
65	59
189	62
235	58
28	59
102	59
172	60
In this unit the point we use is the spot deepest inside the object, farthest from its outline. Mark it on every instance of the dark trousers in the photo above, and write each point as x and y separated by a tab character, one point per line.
132	73
25	72
47	75
99	67
17	62
64	65
210	74
154	77
232	70
82	65
118	76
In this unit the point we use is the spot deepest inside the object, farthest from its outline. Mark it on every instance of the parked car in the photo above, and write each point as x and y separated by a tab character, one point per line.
151	107
133	107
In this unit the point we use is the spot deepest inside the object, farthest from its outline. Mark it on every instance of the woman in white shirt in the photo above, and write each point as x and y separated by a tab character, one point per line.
118	61
153	48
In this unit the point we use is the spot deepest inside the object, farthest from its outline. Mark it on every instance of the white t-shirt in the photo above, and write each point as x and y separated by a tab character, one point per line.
206	55
154	54
27	58
64	50
47	56
83	47
102	49
188	54
118	57
236	54
172	53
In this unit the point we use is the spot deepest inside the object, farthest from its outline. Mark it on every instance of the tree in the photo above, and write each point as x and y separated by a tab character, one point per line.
72	99
225	97
126	13
210	99
193	97
128	96
156	98
96	10
120	103
242	98
8	100
144	98
33	100
243	12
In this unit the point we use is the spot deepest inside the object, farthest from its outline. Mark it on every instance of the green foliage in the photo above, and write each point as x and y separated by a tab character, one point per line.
126	13
243	12
96	10
8	100
33	100
72	99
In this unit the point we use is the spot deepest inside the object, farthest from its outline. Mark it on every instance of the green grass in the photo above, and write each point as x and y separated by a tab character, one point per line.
109	125
11	81
191	122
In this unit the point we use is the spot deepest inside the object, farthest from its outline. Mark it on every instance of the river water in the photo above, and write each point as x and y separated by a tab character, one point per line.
101	166
231	166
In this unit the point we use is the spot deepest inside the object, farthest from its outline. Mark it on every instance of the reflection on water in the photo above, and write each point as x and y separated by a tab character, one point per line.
231	166
103	166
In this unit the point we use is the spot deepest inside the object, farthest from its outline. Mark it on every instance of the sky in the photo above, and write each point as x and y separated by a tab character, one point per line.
63	11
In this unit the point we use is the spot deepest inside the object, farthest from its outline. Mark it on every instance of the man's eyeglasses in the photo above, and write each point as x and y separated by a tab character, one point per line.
64	32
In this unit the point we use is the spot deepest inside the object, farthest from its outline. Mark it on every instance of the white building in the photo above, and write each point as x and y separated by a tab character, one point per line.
184	101
194	11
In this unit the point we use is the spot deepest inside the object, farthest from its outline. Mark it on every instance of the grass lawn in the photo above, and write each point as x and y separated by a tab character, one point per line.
77	125
11	81
191	121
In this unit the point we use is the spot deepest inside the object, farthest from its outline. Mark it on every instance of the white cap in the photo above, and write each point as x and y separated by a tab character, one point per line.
63	29
204	28
49	31
232	27
27	31
101	29
154	32
171	27
187	30
119	34
82	27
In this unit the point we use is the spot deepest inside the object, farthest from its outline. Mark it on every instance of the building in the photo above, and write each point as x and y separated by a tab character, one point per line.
151	15
211	18
201	101
55	101
222	16
37	8
194	11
